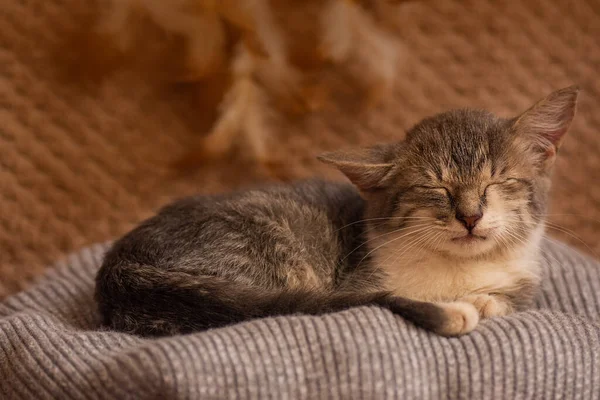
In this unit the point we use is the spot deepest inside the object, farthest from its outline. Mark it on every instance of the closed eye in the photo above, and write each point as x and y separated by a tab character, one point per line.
423	187
506	181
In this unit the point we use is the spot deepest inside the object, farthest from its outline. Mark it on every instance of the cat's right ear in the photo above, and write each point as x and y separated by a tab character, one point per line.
543	127
368	168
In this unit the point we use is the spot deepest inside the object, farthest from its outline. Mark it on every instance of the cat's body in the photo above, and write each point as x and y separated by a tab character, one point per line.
211	260
284	236
443	229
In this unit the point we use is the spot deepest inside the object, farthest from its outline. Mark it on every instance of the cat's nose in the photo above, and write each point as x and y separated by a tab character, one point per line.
469	221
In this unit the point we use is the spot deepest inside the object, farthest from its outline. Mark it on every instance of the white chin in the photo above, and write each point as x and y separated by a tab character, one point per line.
469	247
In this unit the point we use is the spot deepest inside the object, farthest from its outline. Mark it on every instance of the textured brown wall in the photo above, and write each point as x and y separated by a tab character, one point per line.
79	165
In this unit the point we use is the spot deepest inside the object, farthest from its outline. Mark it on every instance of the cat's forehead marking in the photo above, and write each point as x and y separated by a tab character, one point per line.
446	174
461	147
462	164
487	171
435	174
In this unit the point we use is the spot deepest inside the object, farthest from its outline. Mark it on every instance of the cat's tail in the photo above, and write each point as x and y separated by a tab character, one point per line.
144	301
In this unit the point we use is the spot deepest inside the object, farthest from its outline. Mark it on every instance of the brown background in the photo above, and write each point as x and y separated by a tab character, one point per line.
79	165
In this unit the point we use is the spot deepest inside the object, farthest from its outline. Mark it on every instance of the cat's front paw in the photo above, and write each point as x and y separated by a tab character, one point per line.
459	318
488	305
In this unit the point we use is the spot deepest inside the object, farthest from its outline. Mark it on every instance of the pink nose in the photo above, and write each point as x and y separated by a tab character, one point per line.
469	221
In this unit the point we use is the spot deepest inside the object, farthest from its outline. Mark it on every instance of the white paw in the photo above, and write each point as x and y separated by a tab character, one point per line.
461	318
488	305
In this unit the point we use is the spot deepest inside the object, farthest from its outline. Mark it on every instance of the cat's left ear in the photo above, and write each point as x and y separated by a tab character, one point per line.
368	168
542	128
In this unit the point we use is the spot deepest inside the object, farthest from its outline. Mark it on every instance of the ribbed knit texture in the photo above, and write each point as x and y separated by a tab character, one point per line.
51	348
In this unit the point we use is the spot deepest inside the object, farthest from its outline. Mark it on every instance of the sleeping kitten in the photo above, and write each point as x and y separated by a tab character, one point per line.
444	229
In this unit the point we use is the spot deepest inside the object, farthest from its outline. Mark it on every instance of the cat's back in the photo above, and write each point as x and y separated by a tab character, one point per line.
237	231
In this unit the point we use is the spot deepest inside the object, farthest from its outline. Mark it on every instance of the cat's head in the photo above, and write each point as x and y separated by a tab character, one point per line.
464	182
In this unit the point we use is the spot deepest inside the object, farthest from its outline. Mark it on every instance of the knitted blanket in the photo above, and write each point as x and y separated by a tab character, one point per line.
52	347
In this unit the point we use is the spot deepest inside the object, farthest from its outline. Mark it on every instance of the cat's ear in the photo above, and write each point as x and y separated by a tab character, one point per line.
542	128
368	168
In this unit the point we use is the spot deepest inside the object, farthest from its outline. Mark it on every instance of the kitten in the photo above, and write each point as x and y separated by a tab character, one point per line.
444	229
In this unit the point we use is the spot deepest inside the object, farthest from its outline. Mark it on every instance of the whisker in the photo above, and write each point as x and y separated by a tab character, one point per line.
385	220
408	245
419	244
432	239
385	234
497	241
372	226
523	240
439	240
516	237
546	254
561	229
415	244
411	241
503	241
390	241
587	217
574	236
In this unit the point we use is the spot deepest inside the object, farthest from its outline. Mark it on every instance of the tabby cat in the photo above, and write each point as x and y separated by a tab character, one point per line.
442	228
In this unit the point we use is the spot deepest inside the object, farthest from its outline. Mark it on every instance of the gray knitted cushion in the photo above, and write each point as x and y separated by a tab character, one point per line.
51	348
